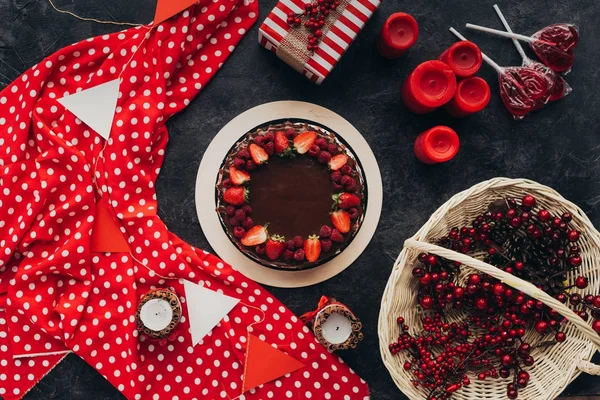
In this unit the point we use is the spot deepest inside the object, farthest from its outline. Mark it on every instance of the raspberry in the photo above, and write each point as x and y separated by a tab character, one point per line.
239	232
291	133
336	176
325	232
269	148
227	183
240	214
333	148
324	157
239	163
244	153
269	137
291	245
346	180
248	223
259	140
247	209
351	187
336	236
337	186
346	170
250	165
354	213
288	255
260	249
314	150
299	242
230	210
322	143
233	221
299	255
326	245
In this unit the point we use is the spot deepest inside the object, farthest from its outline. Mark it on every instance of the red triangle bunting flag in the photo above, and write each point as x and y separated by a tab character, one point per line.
107	236
165	9
265	363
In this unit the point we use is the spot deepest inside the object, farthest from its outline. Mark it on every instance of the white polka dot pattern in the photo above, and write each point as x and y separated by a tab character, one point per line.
56	296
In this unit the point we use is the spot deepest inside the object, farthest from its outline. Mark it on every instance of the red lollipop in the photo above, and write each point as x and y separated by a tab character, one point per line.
558	87
521	88
554	45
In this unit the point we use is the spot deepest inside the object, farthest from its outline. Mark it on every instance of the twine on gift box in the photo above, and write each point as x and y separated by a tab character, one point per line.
292	49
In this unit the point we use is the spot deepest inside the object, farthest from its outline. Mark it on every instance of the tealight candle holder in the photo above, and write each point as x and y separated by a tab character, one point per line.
335	325
158	315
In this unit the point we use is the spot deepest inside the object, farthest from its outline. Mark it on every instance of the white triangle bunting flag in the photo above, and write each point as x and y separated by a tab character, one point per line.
95	106
206	308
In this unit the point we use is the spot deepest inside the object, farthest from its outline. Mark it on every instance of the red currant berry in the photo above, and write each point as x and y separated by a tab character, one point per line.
544	215
573	235
596	326
581	282
528	201
560	337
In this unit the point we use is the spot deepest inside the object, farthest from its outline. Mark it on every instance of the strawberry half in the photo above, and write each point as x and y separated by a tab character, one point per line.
338	162
312	248
259	155
275	247
282	143
303	141
236	196
238	177
346	200
341	221
255	236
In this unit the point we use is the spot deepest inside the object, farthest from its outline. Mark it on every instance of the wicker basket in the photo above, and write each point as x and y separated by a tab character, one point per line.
556	366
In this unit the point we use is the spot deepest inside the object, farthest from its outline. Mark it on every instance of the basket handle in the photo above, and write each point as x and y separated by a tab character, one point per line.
511	280
588	367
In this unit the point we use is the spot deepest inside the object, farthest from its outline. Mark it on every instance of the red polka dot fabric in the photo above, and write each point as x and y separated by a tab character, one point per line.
56	296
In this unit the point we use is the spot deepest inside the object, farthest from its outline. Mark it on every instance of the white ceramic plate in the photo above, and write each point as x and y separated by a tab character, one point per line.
209	169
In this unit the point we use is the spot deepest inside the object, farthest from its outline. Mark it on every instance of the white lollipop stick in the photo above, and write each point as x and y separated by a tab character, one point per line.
507	27
524	38
488	60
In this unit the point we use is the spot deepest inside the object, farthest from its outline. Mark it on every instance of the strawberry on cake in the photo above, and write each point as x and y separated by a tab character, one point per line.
291	195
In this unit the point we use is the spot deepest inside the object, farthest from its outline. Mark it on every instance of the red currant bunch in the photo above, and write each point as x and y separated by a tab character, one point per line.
313	18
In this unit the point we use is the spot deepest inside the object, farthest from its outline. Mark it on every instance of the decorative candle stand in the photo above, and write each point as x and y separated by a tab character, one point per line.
334	325
158	315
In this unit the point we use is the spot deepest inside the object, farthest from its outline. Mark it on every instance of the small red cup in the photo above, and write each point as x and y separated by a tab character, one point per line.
472	95
464	58
431	85
398	34
437	145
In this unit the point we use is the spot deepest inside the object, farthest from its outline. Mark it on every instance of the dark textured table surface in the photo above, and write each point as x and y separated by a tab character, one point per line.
558	146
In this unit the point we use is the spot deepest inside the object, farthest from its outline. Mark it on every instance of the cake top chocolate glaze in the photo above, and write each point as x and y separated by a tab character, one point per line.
291	196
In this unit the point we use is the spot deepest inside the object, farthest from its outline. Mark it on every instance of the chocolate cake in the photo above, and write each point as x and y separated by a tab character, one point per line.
291	195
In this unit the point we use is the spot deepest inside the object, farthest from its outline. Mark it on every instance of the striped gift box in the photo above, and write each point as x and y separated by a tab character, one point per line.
334	42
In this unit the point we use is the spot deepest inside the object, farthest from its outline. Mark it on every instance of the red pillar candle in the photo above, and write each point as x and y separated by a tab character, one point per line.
431	85
397	35
472	95
464	58
437	145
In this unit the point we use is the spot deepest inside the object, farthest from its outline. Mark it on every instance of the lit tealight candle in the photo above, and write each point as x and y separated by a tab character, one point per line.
472	96
437	145
464	58
431	85
398	34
